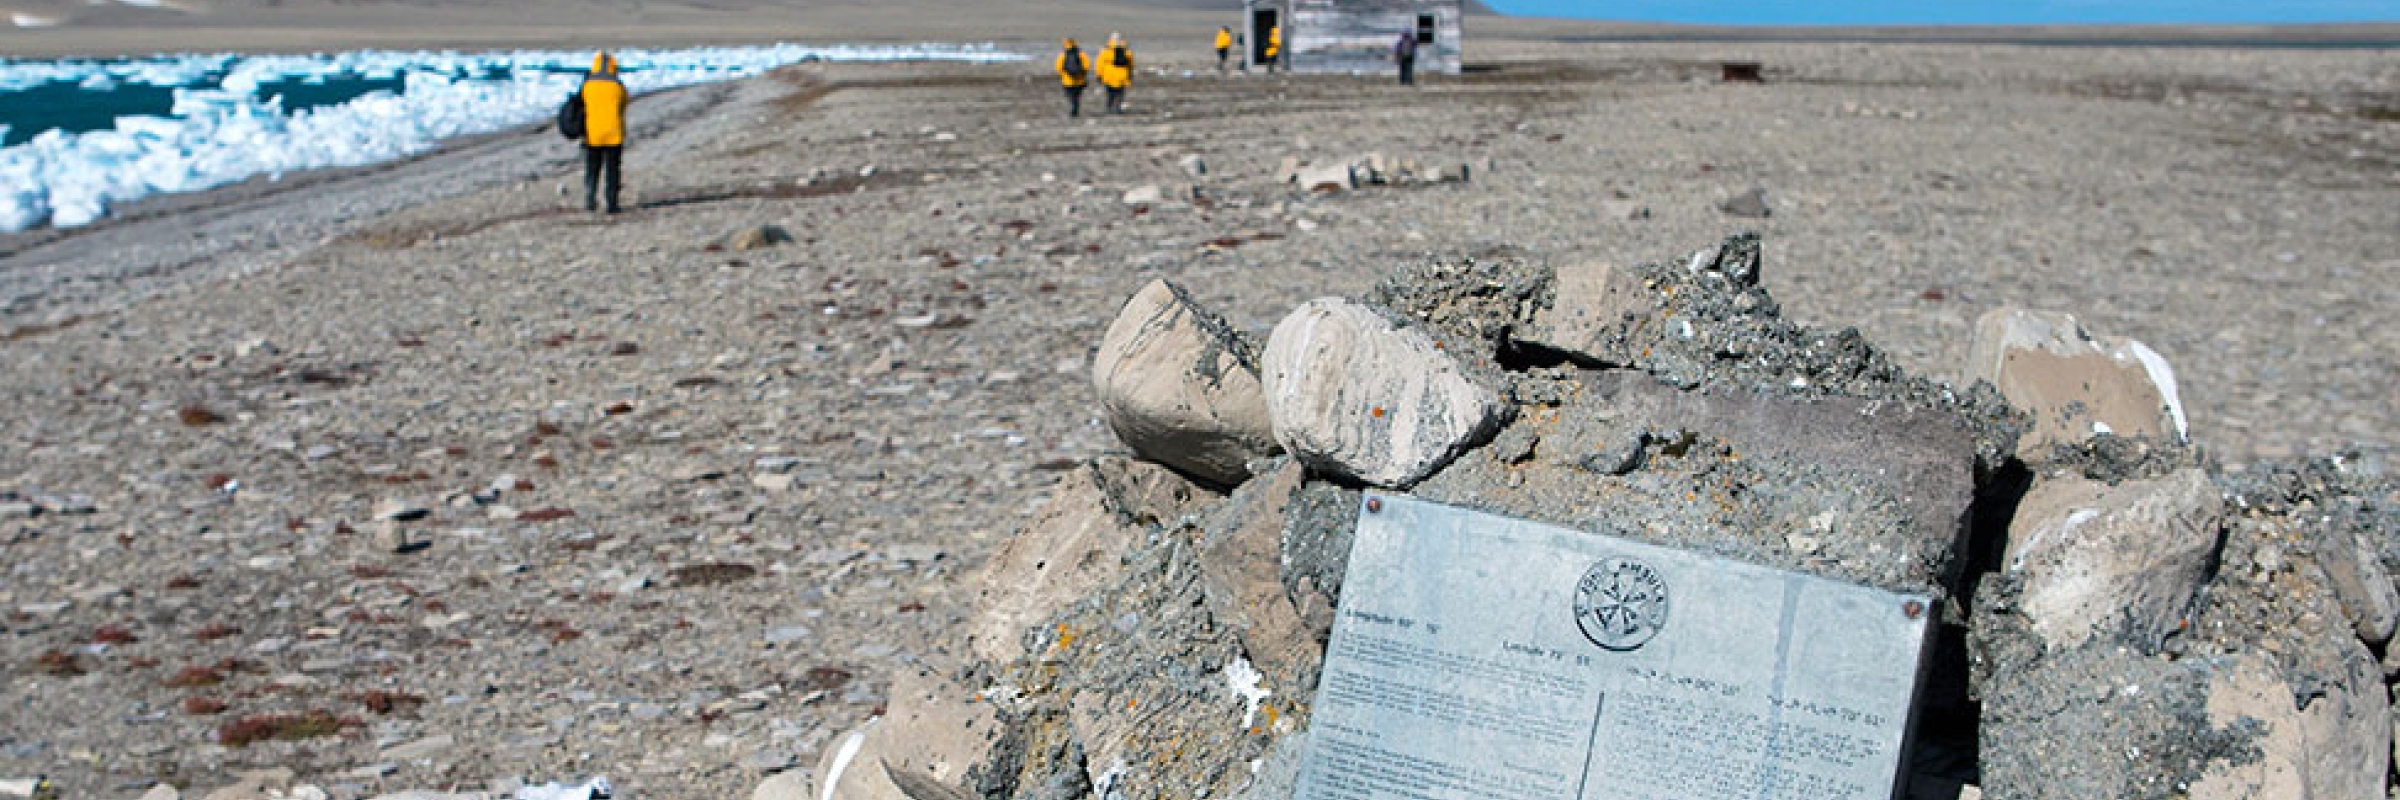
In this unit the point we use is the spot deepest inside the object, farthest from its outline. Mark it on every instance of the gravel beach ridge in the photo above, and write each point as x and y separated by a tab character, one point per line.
423	477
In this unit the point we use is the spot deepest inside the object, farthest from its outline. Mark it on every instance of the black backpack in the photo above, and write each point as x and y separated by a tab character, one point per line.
1074	63
570	117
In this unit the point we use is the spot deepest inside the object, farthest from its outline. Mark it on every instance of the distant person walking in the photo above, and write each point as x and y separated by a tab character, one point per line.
1405	52
1274	47
1116	72
1074	71
1224	46
604	101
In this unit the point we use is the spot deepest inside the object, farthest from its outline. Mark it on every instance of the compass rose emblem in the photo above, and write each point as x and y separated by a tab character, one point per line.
1620	603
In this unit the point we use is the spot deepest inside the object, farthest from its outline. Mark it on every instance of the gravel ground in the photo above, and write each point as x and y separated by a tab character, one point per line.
677	505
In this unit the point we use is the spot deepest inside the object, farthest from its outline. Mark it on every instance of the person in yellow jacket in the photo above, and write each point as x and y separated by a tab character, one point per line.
1116	72
1274	46
1224	46
604	100
1074	71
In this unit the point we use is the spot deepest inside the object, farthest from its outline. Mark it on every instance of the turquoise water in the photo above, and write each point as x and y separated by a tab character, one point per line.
68	106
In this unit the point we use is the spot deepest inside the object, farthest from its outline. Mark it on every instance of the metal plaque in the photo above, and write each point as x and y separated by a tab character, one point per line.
1478	656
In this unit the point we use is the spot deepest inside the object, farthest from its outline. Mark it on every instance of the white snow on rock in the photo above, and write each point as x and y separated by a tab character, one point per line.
216	136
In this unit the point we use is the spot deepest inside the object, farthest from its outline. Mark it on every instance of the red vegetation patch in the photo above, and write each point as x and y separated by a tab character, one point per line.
385	702
546	514
113	634
183	582
198	415
282	728
194	677
57	664
214	631
202	705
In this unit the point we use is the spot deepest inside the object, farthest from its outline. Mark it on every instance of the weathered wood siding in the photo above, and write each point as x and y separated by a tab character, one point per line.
1357	35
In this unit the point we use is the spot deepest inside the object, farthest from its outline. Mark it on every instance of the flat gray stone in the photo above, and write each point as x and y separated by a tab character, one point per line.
1478	656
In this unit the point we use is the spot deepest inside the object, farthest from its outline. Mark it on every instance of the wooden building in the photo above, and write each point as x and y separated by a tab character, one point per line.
1352	35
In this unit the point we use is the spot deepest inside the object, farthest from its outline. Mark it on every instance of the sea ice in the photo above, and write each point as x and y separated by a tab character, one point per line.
226	133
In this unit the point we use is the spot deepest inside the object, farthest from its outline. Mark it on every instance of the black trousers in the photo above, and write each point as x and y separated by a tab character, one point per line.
1408	70
1221	59
1074	101
1116	99
596	160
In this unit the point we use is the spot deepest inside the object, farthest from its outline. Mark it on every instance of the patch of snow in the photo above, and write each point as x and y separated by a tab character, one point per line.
2163	376
842	759
1243	680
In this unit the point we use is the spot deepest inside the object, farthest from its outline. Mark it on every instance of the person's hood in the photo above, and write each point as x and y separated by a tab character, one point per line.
1069	44
604	64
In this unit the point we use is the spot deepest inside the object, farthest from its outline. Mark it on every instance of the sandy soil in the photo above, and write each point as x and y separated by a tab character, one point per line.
683	504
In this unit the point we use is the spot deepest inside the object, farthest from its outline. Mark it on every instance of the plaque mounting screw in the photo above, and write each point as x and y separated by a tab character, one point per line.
1913	608
1374	505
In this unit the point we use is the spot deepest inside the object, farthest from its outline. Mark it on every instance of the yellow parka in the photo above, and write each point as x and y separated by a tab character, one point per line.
1274	42
1224	39
603	104
1073	78
1116	66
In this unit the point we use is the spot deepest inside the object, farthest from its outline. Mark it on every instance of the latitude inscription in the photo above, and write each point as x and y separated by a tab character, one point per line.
1478	656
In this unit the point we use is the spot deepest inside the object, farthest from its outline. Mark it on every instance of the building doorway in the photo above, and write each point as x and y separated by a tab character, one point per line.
1262	20
1424	29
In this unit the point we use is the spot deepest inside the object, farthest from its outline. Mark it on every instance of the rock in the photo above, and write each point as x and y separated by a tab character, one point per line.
1242	576
2119	560
387	536
923	748
1326	178
2075	385
1453	173
162	791
260	784
400	511
1751	204
18	509
426	747
1352	395
1077	544
2331	738
1193	165
1881	491
1599	314
786	785
1180	386
1613	210
761	237
2359	582
1143	195
773	481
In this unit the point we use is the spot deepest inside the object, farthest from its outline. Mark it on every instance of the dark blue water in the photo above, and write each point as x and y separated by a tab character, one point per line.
66	106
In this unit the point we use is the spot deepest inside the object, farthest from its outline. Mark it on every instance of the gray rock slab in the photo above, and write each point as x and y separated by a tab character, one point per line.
1478	656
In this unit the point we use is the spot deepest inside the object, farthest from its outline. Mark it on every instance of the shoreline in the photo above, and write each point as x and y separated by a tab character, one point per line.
163	240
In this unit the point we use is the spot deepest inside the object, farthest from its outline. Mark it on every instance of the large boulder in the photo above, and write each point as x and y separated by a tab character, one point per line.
2076	385
1181	386
1355	396
2127	558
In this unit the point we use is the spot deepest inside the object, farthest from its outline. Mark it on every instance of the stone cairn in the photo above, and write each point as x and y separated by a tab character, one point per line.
2119	617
